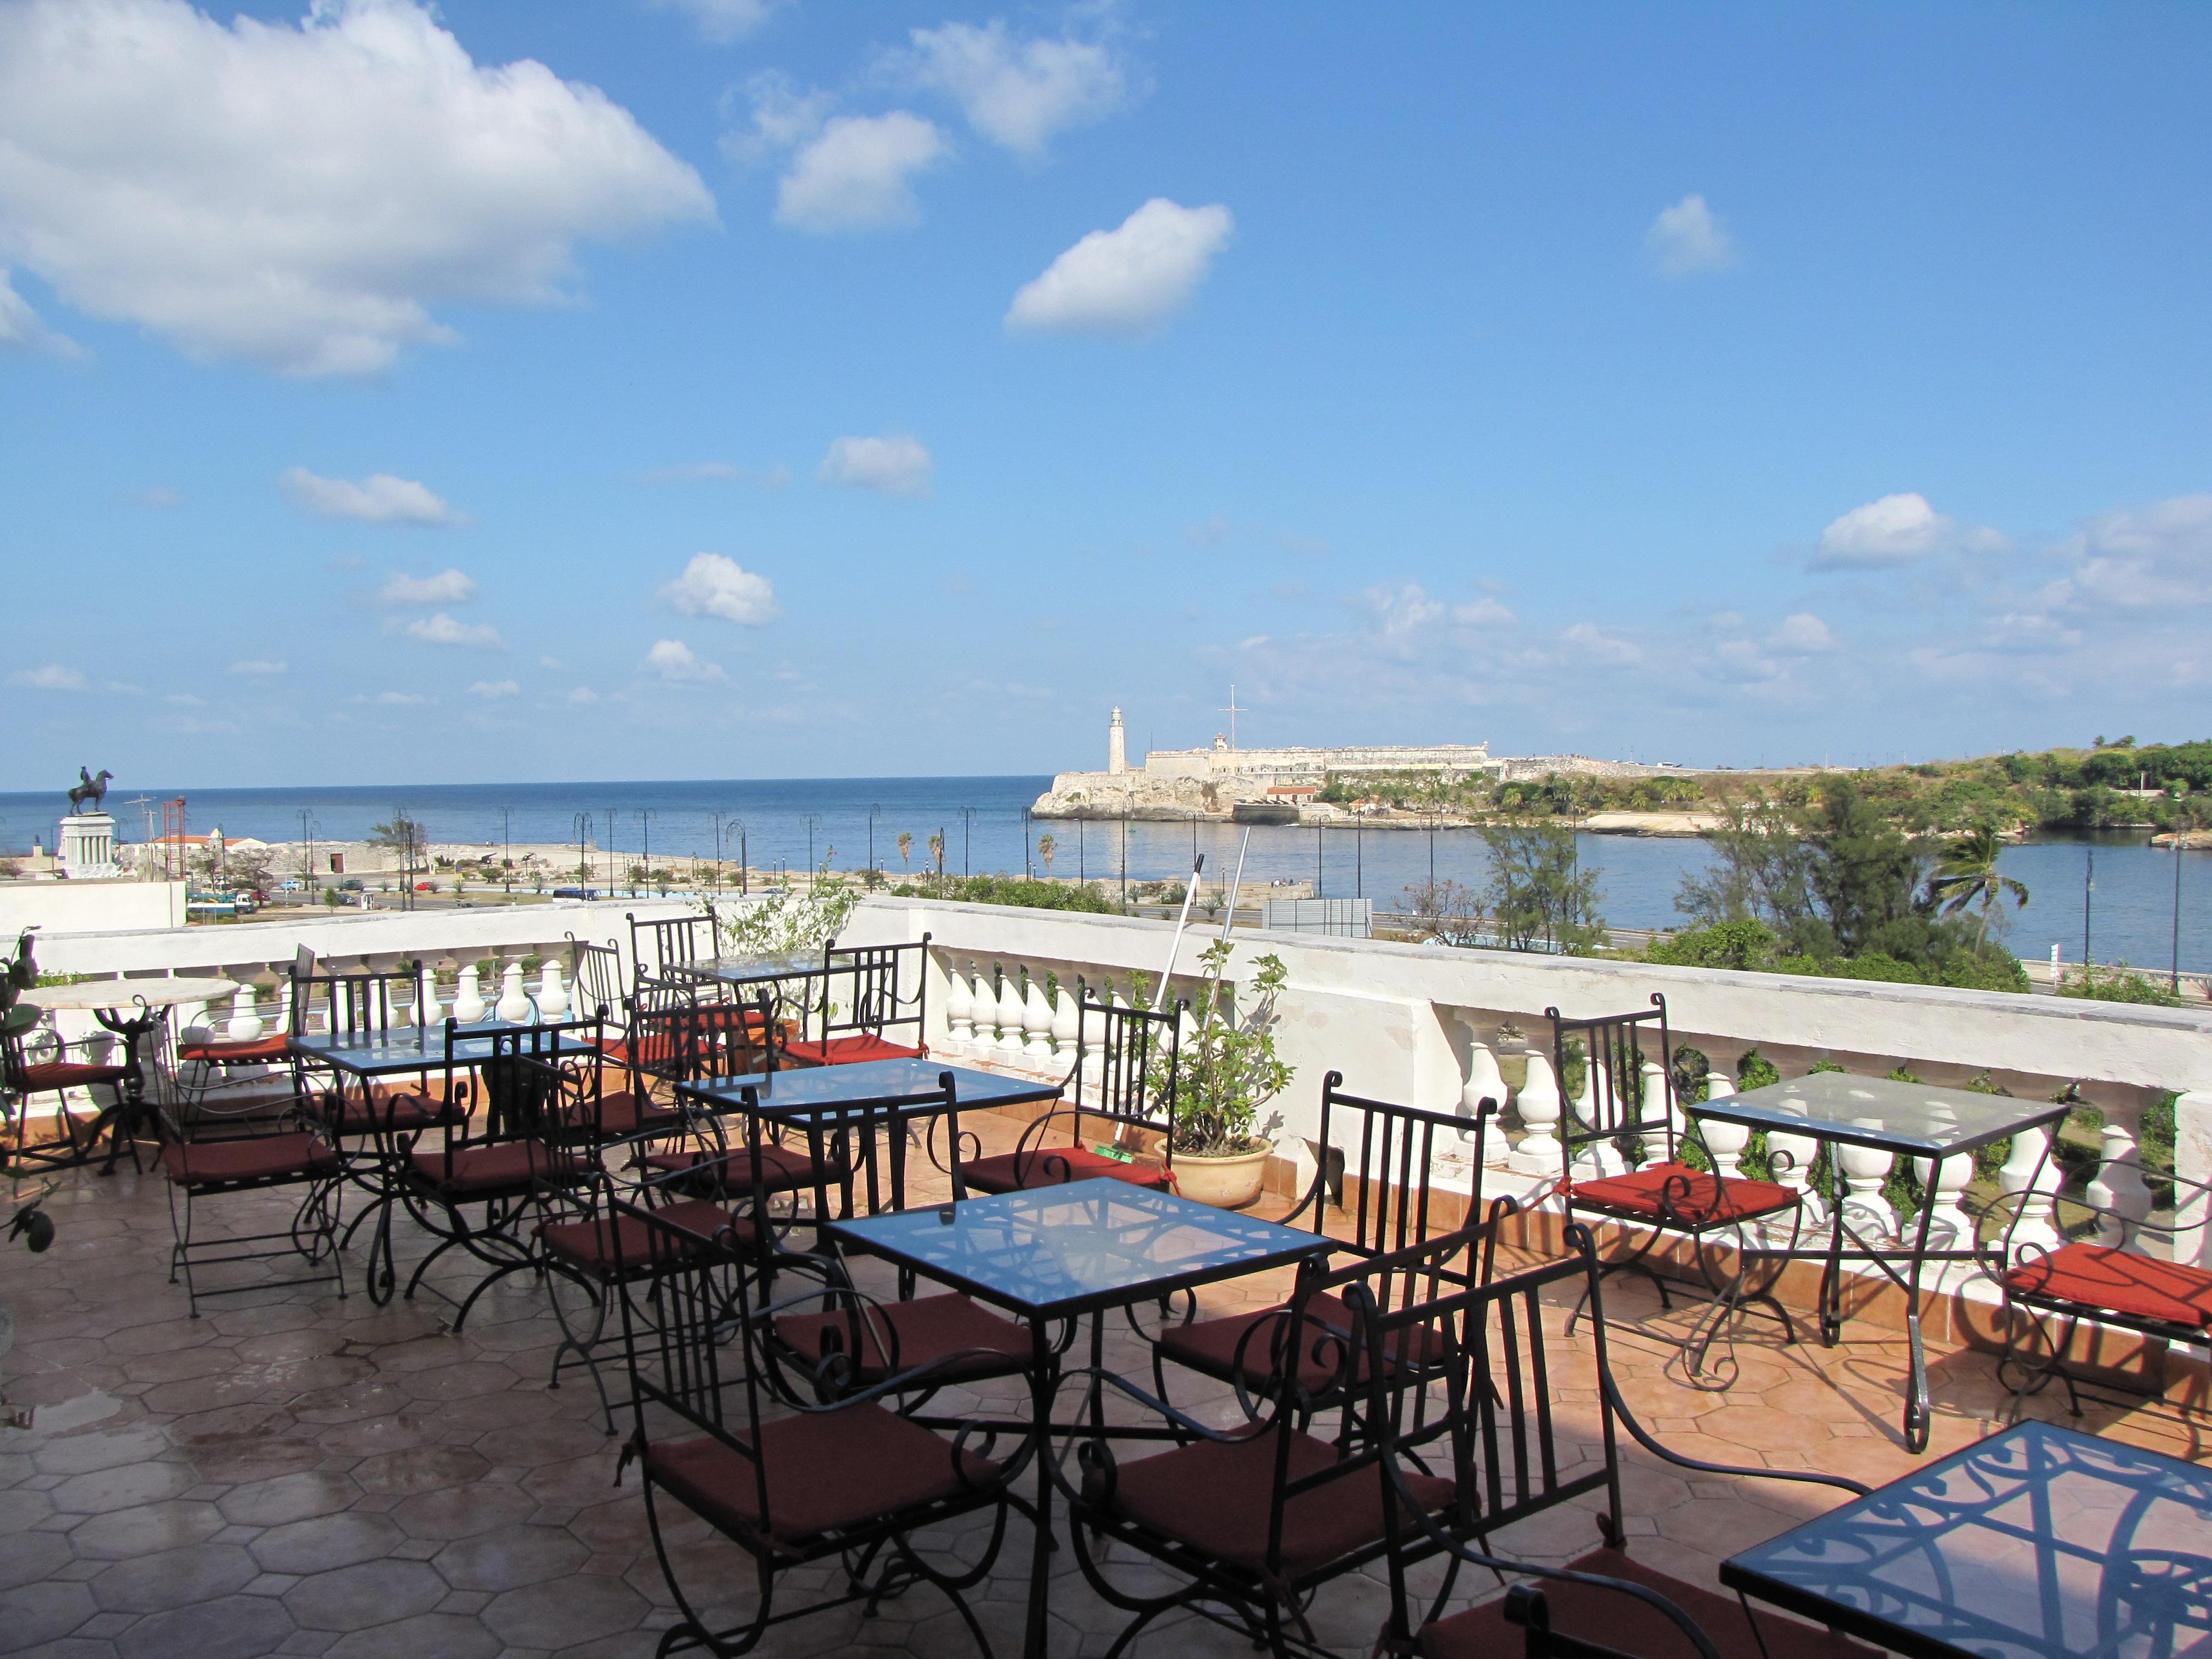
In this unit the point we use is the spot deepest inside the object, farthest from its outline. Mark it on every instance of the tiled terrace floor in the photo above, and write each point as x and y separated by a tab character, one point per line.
296	1475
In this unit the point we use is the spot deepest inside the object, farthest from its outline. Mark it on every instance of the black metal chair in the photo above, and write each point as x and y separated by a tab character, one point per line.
23	1077
1378	1186
1136	1053
1510	1463
849	1483
1628	1117
862	1013
658	950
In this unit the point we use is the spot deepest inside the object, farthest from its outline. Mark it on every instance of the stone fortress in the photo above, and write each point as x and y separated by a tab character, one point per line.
1279	784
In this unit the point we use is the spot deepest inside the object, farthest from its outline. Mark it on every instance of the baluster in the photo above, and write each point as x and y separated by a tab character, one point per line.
959	1010
2035	1177
1655	1087
1484	1080
427	1011
1598	1158
1864	1170
513	1000
245	1017
1063	1023
468	995
552	995
2118	1186
1539	1106
1725	1141
1036	1022
1010	1012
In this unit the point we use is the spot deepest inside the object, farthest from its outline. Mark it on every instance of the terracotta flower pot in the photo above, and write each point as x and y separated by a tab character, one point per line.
1228	1182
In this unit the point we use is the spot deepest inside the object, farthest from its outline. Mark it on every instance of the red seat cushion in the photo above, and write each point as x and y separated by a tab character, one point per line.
850	1050
1050	1166
826	1473
781	1169
240	1051
1210	1346
1627	1625
399	1114
507	1165
921	1331
2118	1281
250	1158
619	1116
67	1074
657	1049
1699	1199
1215	1496
602	1248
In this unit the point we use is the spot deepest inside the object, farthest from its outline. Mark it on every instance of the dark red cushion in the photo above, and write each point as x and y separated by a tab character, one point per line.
1699	1199
1627	1625
781	1169
601	1249
1210	1346
67	1074
826	1473
1215	1496
850	1050
1050	1166
921	1331
236	1051
255	1158
400	1114
2118	1281
657	1049
505	1166
619	1116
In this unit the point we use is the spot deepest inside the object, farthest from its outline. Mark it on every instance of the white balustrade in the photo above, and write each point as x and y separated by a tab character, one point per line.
1725	1141
1010	1012
1036	1023
959	1010
2035	1177
468	995
426	1012
552	995
513	1000
1656	1088
1064	1021
1951	1227
1864	1168
245	1017
1539	1106
1599	1157
1484	1080
2118	1186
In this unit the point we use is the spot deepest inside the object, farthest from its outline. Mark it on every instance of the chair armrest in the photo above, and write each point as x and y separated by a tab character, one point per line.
1643	1438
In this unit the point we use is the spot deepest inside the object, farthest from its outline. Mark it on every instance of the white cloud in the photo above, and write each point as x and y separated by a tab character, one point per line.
22	329
583	695
1209	531
767	477
491	690
53	677
1592	643
856	174
439	629
723	22
1016	93
159	498
260	667
674	661
715	586
1895	530
378	499
185	700
897	464
401	698
301	196
1403	615
1126	281
2158	557
448	586
1802	633
1688	238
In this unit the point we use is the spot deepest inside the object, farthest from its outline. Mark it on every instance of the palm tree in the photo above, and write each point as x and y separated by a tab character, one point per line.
905	847
1045	847
1968	874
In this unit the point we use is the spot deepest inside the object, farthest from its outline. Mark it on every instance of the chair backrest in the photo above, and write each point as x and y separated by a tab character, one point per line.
1630	1092
656	948
518	1082
1125	1066
361	1005
675	1036
556	1094
1374	1161
596	972
861	989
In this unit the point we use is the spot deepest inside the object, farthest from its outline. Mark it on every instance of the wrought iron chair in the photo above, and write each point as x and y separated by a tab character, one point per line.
861	1002
1255	1520
658	949
23	1077
1378	1183
1510	1463
848	1484
1622	1143
1134	1075
479	1190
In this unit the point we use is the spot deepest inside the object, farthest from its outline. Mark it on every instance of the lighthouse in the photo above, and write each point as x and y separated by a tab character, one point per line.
1117	751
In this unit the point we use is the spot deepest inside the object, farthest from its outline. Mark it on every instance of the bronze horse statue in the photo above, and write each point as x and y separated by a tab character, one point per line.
91	789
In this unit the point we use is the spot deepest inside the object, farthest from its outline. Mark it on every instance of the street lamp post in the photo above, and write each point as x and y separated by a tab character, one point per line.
645	830
1358	855
1029	864
967	829
1317	835
2175	980
812	818
873	809
582	826
507	834
307	827
1081	879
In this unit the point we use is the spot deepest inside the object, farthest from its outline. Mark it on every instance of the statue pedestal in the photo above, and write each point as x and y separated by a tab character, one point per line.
88	848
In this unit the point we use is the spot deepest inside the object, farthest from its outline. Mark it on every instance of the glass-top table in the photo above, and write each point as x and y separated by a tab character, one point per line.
1883	1114
2037	1543
1060	1252
413	1049
748	970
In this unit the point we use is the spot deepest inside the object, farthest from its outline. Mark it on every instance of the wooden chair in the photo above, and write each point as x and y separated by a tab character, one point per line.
1134	1093
1510	1463
862	1014
849	1483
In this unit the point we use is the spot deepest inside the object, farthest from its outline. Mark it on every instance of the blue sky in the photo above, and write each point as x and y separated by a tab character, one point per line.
716	387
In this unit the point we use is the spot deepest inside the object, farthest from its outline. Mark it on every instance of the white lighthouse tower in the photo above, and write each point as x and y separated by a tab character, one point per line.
1117	751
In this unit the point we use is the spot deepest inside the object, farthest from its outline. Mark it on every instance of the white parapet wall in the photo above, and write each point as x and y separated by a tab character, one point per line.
88	907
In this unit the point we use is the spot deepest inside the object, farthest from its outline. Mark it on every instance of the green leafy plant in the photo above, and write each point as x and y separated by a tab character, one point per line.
2119	984
1228	1069
787	923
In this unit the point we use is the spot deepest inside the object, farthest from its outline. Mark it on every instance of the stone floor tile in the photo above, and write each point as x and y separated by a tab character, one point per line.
32	1615
356	1597
172	1578
577	1608
326	1541
234	1627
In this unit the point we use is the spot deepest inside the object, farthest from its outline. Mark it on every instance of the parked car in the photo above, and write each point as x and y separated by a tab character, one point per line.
351	885
576	892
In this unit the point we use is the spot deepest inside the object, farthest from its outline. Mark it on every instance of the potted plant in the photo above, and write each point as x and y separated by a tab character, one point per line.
1226	1071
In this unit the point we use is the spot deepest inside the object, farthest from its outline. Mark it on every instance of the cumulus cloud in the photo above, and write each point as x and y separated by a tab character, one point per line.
401	699
1803	632
1688	238
22	329
2158	557
259	667
491	690
769	478
1016	93
583	695
1402	617
713	585
894	464
448	586
378	499
675	662
54	677
160	499
1127	281
723	22
857	174
1592	643
302	196
441	628
1895	530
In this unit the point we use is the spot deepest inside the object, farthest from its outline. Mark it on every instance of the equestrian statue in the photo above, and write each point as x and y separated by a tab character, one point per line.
90	789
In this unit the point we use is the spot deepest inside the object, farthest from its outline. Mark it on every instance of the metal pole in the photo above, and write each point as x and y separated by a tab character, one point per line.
809	850
2089	887
1125	861
1029	863
967	837
1080	878
718	849
645	829
582	826
2177	909
1317	834
1358	856
745	884
872	810
611	851
507	831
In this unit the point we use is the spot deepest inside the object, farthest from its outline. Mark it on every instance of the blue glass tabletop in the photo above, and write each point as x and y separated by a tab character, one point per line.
411	1048
1057	1251
1881	1112
2037	1543
807	1091
749	970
